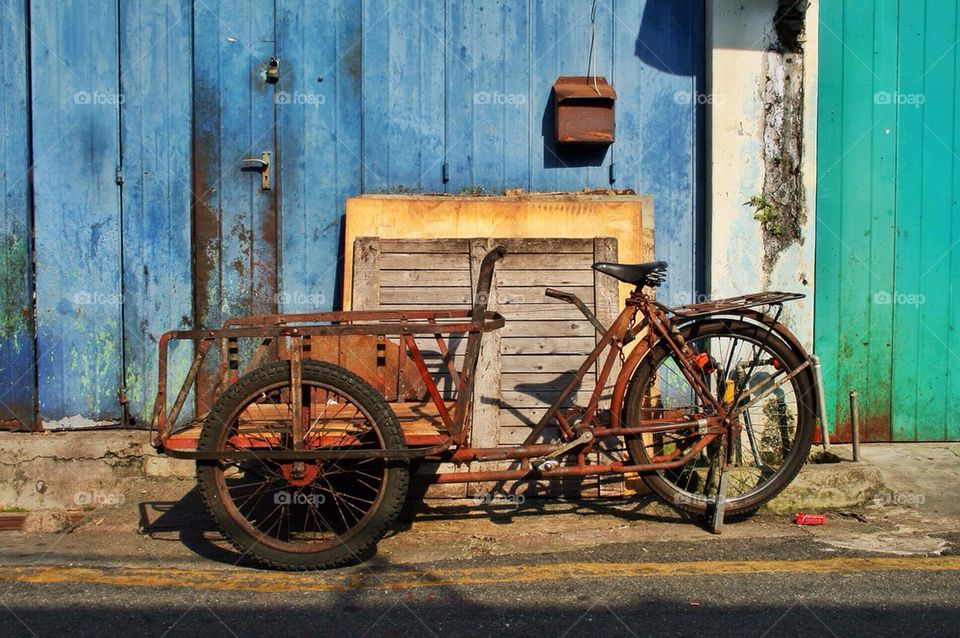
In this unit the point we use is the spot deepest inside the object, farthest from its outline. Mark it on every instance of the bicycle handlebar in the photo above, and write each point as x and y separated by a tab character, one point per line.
485	281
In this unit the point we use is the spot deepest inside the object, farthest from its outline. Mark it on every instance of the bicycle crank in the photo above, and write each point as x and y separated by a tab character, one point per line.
550	462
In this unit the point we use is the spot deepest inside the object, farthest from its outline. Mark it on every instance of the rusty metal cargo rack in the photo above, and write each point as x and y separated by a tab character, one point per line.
405	324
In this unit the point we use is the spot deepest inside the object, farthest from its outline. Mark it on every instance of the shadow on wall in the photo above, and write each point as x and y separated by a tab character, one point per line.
664	43
566	155
666	40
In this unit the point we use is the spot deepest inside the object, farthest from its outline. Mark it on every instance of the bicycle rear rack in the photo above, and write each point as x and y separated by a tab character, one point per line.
734	303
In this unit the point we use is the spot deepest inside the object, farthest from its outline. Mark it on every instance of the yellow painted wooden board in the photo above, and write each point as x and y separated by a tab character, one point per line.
628	218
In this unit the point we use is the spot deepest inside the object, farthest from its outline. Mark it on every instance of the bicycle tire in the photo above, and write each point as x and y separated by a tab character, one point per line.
666	483
243	524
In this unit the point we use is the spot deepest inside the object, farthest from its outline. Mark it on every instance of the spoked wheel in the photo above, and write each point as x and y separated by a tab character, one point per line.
739	362
303	515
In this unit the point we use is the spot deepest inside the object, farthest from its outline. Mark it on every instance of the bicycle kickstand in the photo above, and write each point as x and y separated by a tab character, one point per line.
716	523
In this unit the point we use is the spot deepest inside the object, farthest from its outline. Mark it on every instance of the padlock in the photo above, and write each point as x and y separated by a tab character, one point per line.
273	71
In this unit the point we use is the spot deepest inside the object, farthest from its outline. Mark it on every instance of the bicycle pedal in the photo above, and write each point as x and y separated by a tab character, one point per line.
545	465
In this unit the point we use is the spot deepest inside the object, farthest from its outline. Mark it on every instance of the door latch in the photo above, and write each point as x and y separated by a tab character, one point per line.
261	165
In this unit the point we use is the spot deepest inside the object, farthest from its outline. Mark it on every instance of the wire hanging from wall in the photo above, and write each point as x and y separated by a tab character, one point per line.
591	58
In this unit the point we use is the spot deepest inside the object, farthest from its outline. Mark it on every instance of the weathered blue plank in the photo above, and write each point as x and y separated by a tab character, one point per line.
77	209
156	121
235	222
560	45
318	119
658	74
403	97
17	371
488	97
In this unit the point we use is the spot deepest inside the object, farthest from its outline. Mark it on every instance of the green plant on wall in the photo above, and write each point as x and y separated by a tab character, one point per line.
766	212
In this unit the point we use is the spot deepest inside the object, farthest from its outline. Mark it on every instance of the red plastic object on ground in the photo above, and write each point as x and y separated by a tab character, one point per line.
810	519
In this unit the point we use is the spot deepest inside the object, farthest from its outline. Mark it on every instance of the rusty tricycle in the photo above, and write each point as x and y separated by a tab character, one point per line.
303	464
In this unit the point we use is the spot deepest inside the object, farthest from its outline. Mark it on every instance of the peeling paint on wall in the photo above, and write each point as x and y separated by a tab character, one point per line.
782	97
762	145
13	316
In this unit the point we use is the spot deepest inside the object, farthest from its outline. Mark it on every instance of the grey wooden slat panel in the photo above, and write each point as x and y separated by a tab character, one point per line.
405	261
534	294
548	246
538	398
422	278
551	278
455	294
486	413
547	261
366	273
516	419
538	363
510	435
547	328
546	345
525	365
543	311
546	381
422	306
427	246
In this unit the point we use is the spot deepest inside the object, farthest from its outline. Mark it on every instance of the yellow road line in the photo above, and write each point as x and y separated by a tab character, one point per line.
407	578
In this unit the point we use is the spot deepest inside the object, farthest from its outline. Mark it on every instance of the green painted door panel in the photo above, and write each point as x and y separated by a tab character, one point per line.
886	302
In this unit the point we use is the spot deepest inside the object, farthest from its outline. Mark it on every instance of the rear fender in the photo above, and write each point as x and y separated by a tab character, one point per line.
646	344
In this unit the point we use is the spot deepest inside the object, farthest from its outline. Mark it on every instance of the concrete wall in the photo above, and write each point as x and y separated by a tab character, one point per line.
743	76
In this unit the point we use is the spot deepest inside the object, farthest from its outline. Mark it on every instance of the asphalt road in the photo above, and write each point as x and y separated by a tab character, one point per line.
157	567
764	586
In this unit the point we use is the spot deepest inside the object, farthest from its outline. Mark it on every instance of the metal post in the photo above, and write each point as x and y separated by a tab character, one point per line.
822	403
855	425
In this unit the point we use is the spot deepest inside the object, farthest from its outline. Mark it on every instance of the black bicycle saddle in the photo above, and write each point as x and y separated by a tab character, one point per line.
648	274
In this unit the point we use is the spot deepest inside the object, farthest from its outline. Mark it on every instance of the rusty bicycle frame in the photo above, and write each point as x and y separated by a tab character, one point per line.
658	323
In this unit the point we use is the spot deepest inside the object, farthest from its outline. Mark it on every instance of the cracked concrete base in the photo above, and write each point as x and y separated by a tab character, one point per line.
76	470
90	470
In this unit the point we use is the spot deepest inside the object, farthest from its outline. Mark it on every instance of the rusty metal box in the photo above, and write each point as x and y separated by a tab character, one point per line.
584	110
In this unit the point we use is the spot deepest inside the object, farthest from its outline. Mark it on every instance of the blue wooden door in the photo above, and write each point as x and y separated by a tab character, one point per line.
76	146
17	372
457	99
156	192
142	112
235	217
278	83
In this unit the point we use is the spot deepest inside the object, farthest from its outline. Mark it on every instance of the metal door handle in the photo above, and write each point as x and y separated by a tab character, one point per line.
261	165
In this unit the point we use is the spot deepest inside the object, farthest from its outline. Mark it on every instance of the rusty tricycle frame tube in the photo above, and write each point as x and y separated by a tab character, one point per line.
656	326
393	322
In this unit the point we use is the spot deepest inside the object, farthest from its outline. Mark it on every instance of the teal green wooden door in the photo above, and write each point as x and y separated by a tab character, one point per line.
888	230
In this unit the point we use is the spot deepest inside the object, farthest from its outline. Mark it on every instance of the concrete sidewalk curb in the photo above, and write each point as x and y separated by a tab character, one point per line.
84	470
827	486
